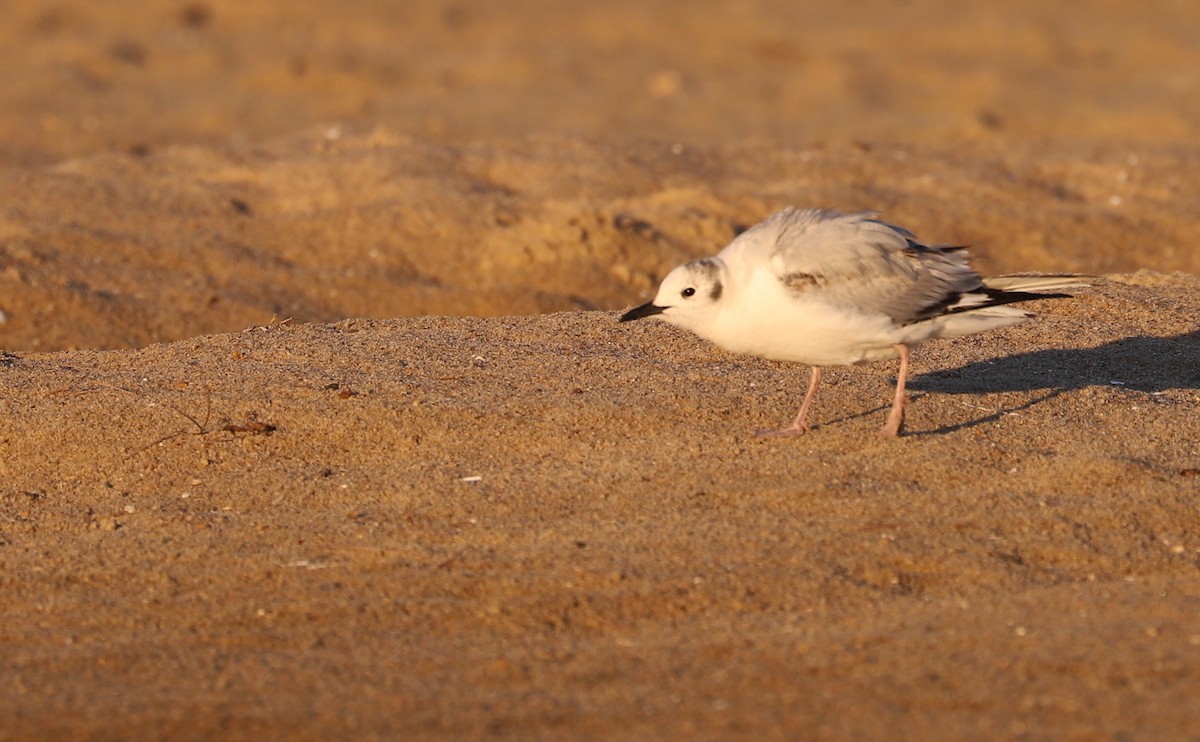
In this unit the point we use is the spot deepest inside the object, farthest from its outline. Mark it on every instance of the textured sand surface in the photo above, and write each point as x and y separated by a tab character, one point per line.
316	420
554	525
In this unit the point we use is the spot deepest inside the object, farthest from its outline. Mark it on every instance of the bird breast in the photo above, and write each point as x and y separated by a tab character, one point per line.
762	318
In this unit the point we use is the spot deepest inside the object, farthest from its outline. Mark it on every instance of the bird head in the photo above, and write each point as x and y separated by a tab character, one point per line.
688	297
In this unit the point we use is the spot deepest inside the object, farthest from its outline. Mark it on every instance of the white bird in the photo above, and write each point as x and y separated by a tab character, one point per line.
827	288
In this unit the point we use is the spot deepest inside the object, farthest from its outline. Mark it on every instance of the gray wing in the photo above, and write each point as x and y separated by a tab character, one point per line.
856	260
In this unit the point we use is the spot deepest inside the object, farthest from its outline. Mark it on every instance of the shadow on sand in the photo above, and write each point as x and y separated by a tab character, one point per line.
1143	363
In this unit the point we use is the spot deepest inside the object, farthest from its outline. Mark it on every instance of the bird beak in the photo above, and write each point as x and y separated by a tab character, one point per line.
646	310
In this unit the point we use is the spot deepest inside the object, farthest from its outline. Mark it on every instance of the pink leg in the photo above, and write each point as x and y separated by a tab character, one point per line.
798	427
896	417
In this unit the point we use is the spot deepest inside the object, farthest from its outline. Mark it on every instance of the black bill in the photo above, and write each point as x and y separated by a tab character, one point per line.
646	310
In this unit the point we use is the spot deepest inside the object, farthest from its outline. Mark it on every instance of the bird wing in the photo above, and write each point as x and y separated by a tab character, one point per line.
857	261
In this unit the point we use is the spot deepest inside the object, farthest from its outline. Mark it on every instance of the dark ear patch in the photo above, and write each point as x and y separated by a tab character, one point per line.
708	270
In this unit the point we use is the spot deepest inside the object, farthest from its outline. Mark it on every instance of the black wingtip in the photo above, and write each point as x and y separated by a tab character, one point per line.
649	309
1000	296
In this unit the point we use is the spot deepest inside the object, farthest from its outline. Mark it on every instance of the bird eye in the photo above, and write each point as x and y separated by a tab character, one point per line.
689	291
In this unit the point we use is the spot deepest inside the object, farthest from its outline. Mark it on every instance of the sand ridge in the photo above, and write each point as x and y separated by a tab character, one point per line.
562	525
316	419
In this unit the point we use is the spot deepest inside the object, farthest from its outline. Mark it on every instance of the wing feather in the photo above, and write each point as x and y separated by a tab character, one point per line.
857	261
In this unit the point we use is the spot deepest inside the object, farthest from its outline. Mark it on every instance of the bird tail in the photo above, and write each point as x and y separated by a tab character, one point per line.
1038	282
990	307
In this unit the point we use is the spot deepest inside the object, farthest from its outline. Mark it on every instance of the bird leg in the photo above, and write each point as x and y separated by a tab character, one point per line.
798	427
896	417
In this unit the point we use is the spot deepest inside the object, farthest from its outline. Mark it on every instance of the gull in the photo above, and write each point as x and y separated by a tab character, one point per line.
828	288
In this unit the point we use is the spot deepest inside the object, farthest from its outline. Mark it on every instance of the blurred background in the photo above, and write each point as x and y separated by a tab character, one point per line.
170	168
81	77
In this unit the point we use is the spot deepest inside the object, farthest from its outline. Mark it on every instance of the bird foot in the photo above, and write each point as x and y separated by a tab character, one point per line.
891	429
782	432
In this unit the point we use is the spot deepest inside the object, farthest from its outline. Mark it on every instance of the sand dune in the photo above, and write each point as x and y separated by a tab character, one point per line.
316	420
561	525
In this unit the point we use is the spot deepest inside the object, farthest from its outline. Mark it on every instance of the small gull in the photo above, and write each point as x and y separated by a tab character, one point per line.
827	288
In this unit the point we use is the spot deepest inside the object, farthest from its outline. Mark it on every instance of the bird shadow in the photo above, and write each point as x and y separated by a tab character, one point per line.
1143	363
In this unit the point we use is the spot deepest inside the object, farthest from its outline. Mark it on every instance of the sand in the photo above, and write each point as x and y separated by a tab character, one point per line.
316	419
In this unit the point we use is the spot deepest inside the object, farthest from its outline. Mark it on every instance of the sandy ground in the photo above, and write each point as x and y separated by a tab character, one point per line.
316	419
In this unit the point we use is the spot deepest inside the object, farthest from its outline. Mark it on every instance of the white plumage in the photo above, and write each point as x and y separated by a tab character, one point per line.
827	288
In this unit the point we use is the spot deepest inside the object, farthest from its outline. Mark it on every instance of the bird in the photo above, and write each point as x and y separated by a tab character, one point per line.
824	287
